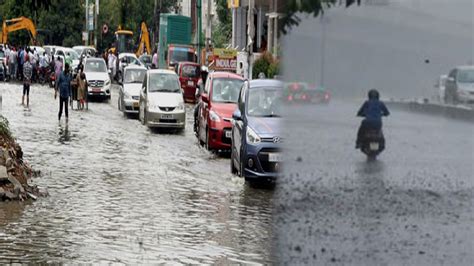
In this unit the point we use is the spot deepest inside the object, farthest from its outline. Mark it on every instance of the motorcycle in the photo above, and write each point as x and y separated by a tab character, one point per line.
44	74
52	79
373	143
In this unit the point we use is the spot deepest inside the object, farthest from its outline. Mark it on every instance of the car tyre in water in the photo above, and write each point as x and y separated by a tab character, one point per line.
207	140
233	170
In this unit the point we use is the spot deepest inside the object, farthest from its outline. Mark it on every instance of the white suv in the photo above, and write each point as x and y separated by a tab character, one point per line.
97	76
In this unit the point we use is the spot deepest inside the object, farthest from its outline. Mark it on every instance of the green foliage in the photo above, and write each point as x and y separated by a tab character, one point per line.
265	64
4	127
222	32
314	7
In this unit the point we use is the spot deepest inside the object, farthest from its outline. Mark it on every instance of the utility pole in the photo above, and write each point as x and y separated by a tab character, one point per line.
199	29
96	12
250	36
87	22
208	28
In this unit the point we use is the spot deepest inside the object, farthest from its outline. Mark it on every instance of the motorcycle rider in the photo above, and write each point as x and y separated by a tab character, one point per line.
372	110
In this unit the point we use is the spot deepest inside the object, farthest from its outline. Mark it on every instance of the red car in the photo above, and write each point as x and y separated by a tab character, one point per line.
219	101
189	74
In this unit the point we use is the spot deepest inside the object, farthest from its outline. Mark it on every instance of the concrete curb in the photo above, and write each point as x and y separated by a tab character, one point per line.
448	111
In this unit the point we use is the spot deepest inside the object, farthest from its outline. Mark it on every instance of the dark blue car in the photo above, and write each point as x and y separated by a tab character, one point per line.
255	150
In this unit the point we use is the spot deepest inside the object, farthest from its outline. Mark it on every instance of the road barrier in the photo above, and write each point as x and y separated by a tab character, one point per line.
458	112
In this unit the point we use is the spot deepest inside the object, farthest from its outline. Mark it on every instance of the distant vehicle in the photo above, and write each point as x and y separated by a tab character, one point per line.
460	85
40	50
129	93
219	100
161	100
146	60
301	92
189	74
255	149
441	86
175	41
124	60
85	51
97	77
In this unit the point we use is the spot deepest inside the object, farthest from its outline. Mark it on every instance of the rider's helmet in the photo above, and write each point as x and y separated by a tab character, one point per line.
373	94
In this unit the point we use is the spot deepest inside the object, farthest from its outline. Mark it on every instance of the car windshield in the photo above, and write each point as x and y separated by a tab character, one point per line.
78	50
190	71
182	56
72	55
95	66
226	90
466	76
264	102
146	59
134	75
160	82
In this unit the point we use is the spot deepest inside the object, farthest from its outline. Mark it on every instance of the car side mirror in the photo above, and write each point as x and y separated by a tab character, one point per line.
205	97
110	71
237	115
450	79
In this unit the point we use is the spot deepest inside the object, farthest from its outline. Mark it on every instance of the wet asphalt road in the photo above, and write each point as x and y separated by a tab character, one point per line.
121	193
413	206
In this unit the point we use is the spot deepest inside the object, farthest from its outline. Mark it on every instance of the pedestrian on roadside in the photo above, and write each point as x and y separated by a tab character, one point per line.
27	74
58	68
81	87
21	57
154	60
64	88
12	62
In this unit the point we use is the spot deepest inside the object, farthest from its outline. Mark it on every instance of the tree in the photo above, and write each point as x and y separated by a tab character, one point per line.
315	7
223	30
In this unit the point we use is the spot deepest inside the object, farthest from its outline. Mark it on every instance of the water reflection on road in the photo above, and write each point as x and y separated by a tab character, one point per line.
121	193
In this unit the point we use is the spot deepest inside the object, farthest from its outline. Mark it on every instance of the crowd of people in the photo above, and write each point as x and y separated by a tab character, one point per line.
26	64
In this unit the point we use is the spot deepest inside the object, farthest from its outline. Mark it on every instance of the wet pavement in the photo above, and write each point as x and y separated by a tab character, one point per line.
122	193
413	206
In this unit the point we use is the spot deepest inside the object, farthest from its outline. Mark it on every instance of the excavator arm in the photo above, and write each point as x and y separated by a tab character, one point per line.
144	41
18	24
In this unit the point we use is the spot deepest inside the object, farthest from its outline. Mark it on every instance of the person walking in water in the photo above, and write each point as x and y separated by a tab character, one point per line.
27	75
64	87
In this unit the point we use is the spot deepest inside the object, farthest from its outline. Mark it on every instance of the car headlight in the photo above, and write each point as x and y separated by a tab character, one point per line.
127	96
252	137
180	107
107	83
214	116
153	107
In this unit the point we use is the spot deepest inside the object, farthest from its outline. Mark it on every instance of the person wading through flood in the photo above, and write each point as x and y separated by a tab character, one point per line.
81	87
64	87
27	74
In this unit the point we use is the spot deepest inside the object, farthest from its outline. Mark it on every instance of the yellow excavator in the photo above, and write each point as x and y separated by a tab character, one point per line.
124	41
144	42
16	24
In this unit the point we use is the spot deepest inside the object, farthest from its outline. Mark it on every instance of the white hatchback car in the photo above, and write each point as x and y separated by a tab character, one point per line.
161	100
129	92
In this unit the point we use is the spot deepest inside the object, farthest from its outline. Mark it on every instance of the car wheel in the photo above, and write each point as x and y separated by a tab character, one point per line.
241	170
145	122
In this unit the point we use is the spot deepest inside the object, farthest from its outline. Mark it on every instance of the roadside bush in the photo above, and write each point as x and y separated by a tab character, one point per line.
265	64
4	127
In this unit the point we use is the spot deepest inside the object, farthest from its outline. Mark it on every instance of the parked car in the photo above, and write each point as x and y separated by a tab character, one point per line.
219	101
189	74
97	77
460	85
146	60
129	92
124	60
161	100
255	150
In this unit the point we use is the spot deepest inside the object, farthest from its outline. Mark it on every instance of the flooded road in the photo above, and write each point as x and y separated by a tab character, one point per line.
122	193
414	205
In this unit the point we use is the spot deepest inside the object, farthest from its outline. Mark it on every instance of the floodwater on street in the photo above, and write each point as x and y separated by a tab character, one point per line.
122	193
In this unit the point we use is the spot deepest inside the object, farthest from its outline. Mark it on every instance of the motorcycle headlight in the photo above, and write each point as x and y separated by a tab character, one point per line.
180	107
214	116
252	137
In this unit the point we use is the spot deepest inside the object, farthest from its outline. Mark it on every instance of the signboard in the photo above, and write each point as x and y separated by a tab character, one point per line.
224	60
90	18
233	3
